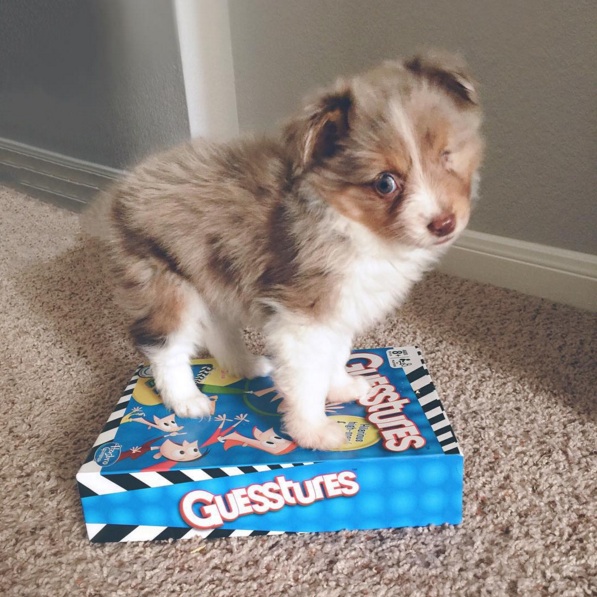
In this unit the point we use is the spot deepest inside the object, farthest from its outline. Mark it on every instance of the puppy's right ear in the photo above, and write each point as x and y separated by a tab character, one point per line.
317	132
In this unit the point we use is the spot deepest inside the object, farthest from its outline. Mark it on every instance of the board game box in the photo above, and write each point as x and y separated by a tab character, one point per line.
153	476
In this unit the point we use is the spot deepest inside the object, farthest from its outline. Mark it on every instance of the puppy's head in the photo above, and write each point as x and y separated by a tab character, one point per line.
396	149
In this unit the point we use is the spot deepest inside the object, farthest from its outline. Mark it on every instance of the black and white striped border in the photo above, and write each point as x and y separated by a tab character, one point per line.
106	533
92	483
109	430
422	385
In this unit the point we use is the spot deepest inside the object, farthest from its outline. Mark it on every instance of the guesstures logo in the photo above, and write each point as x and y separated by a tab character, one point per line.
215	510
385	405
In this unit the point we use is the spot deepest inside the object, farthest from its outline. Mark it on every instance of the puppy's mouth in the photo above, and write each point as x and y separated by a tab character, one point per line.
444	241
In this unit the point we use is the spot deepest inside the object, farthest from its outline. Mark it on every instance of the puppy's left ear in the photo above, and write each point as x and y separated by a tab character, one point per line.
448	71
318	131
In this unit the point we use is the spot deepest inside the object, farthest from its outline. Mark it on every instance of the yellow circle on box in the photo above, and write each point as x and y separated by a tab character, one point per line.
145	392
359	432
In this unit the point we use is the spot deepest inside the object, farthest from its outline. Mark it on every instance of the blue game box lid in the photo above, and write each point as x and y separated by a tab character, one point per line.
401	416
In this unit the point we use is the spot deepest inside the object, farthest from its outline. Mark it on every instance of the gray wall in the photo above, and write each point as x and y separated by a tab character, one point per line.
536	61
99	80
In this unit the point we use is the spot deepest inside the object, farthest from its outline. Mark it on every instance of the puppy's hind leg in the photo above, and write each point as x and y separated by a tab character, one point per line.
169	335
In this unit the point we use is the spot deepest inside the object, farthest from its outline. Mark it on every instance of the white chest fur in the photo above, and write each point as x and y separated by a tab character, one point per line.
373	287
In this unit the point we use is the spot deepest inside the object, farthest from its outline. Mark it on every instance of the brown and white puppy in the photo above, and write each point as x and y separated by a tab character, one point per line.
313	236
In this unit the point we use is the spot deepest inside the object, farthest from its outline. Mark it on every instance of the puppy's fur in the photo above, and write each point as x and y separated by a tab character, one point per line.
313	236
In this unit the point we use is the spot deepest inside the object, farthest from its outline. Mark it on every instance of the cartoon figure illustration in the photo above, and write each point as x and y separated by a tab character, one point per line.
187	451
173	453
219	432
136	411
167	424
268	390
267	441
184	452
263	401
138	451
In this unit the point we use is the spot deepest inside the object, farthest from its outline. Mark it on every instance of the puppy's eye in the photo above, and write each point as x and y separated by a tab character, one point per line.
446	158
386	184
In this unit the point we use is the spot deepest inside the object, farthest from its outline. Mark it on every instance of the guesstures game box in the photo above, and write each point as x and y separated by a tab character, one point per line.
152	475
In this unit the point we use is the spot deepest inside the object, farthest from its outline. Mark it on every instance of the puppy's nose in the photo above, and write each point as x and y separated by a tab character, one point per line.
443	225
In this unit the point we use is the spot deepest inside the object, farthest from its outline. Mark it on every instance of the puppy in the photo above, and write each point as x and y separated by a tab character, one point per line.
312	237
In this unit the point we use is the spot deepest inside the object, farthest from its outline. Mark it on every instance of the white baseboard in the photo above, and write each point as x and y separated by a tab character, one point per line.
556	274
62	179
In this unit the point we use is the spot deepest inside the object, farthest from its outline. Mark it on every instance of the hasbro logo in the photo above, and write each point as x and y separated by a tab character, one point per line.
107	454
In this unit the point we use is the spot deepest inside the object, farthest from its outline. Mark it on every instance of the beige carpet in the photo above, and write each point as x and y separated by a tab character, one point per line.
517	375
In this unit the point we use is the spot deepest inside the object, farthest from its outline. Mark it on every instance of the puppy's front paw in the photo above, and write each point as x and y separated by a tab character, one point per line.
353	388
194	405
325	435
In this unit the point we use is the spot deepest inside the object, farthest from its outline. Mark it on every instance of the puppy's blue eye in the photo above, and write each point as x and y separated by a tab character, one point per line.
385	184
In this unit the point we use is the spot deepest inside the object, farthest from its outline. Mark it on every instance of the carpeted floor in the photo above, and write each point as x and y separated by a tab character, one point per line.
517	376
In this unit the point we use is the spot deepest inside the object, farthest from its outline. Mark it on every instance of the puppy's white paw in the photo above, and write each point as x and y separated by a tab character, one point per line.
325	435
194	405
354	388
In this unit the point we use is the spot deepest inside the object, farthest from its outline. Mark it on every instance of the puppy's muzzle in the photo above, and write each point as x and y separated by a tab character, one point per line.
442	225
